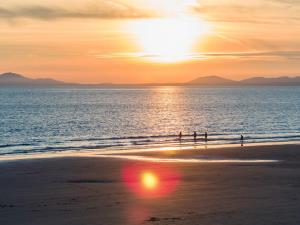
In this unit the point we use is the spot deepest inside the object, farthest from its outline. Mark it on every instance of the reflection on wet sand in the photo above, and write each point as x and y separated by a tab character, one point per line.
187	160
164	151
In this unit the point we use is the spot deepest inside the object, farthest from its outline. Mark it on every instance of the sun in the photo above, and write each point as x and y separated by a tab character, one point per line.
168	40
171	37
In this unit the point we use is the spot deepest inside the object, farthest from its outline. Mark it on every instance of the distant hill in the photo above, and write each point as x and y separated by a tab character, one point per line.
254	81
13	79
212	80
281	81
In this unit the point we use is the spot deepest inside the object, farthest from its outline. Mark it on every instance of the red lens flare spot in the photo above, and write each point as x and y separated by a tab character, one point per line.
150	180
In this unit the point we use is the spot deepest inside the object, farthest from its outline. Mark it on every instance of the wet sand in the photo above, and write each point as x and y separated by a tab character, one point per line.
95	190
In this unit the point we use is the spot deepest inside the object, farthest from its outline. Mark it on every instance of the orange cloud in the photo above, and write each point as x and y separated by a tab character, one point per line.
104	10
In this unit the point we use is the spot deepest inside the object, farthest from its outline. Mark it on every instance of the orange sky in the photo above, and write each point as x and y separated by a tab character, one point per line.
136	41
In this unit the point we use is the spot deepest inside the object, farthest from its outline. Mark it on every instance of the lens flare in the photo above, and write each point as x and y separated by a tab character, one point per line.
149	180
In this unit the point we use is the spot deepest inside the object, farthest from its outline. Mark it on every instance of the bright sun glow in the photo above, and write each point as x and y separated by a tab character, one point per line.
149	180
169	40
172	7
172	37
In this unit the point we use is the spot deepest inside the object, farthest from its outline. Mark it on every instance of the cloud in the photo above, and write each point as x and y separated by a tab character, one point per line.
285	54
209	55
268	13
288	2
105	10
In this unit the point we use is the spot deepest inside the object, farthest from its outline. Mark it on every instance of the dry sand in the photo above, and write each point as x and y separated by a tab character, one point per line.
82	191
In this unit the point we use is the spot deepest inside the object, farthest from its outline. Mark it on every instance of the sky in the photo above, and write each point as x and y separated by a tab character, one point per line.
142	41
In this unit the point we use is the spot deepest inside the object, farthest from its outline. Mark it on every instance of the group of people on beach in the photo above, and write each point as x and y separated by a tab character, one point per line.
195	136
205	136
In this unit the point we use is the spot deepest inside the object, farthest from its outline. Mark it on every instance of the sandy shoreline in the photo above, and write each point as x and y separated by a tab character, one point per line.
96	190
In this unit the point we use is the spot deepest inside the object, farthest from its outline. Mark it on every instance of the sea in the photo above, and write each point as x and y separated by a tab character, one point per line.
55	120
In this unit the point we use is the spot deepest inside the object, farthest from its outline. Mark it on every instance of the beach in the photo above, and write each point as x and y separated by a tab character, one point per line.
238	185
139	112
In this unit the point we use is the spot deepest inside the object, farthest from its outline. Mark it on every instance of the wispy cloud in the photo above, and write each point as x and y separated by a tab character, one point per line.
104	10
288	2
284	54
208	55
278	11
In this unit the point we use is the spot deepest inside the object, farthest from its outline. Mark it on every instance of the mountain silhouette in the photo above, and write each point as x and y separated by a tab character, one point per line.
212	80
282	81
14	79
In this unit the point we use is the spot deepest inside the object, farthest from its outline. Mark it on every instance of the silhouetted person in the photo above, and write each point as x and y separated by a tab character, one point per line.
180	136
195	135
242	140
205	136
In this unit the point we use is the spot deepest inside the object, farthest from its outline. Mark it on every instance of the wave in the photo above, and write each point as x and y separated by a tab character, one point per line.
126	142
14	145
212	136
